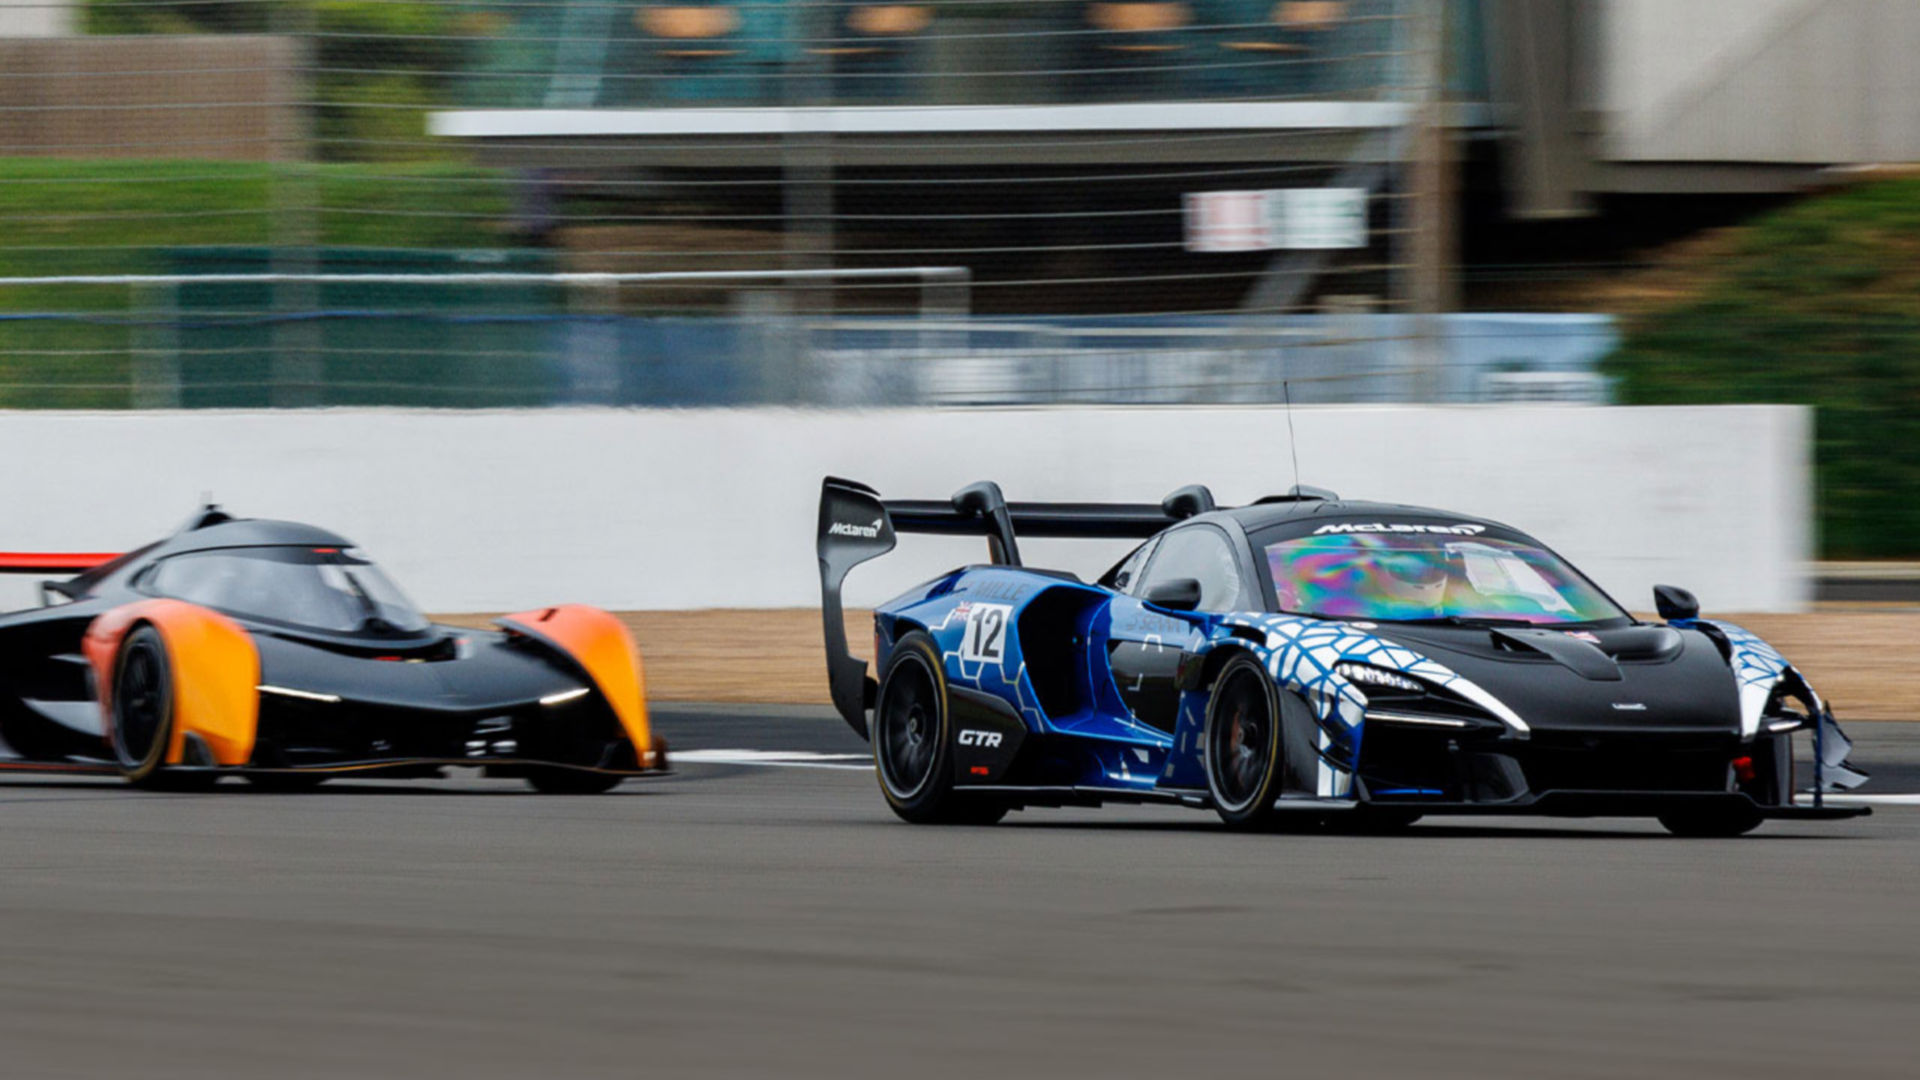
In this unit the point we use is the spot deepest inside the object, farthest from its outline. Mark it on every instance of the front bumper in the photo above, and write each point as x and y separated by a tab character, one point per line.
299	736
1580	773
1572	803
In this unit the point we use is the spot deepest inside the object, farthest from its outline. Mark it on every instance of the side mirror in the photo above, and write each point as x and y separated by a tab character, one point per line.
1675	603
1188	502
54	593
1180	594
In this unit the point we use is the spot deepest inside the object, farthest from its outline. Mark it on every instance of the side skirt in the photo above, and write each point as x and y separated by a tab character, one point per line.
61	768
1641	804
1193	799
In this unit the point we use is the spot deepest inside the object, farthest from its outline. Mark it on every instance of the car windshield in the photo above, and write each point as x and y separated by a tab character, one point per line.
322	588
1415	576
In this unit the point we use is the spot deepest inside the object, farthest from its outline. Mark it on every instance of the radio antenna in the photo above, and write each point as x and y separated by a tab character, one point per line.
1293	444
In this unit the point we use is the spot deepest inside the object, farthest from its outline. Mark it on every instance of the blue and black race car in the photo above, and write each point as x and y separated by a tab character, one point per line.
1306	659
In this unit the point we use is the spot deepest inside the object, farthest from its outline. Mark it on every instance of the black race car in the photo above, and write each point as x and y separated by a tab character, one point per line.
1305	658
276	651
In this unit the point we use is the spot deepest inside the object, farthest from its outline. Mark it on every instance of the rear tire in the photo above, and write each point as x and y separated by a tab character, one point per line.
1245	754
1712	822
912	748
549	781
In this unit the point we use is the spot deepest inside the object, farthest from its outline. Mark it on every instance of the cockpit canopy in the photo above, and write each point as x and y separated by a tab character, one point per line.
333	589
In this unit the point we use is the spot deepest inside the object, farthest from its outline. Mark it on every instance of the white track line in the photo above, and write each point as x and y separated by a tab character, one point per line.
789	759
1870	800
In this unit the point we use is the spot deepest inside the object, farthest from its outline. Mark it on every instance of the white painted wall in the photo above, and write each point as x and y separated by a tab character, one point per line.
36	18
485	511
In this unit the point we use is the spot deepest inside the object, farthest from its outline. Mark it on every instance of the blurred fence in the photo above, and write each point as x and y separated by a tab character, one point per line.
514	335
1150	201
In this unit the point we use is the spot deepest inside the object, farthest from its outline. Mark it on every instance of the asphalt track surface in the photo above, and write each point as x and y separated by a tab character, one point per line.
756	921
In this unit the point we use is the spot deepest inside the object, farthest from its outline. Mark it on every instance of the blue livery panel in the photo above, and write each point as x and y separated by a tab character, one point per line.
1111	690
1045	647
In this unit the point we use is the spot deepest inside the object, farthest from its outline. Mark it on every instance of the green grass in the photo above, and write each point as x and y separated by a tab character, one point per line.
1819	304
92	211
60	217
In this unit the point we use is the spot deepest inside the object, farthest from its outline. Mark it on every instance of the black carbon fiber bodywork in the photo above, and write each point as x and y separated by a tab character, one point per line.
377	698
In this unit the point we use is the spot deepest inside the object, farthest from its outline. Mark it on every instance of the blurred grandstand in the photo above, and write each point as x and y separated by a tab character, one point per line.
746	169
857	202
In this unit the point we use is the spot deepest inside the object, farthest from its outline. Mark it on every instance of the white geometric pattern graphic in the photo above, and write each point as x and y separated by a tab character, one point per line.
1757	667
1302	655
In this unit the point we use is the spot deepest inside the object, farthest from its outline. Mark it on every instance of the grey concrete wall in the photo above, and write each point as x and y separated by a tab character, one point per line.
1808	82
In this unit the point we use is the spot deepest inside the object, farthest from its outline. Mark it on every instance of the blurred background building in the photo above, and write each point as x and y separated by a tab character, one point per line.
969	202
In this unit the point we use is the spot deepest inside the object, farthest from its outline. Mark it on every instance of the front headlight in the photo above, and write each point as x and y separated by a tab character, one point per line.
1400	700
1368	675
304	695
565	696
1378	716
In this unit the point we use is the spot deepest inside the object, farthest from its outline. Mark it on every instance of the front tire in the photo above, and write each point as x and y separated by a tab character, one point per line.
142	715
1709	822
912	750
1245	741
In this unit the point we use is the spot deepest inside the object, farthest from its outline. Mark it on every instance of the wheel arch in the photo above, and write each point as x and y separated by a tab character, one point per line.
1215	660
214	668
1301	735
899	626
600	647
902	627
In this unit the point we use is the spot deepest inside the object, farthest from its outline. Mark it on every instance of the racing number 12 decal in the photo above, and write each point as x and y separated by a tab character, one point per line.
986	636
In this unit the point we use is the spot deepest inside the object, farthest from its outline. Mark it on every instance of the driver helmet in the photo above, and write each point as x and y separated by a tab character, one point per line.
1418	575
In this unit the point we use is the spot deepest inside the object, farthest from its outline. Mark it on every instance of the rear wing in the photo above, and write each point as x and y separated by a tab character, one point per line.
55	562
52	562
857	525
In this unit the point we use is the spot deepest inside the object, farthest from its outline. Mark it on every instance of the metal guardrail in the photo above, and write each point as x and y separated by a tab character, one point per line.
946	290
389	342
1867	583
282	333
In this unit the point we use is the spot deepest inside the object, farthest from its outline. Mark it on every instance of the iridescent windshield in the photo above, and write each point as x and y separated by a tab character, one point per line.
1418	576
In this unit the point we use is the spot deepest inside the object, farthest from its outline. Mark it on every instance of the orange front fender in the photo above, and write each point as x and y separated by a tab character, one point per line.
600	644
216	674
